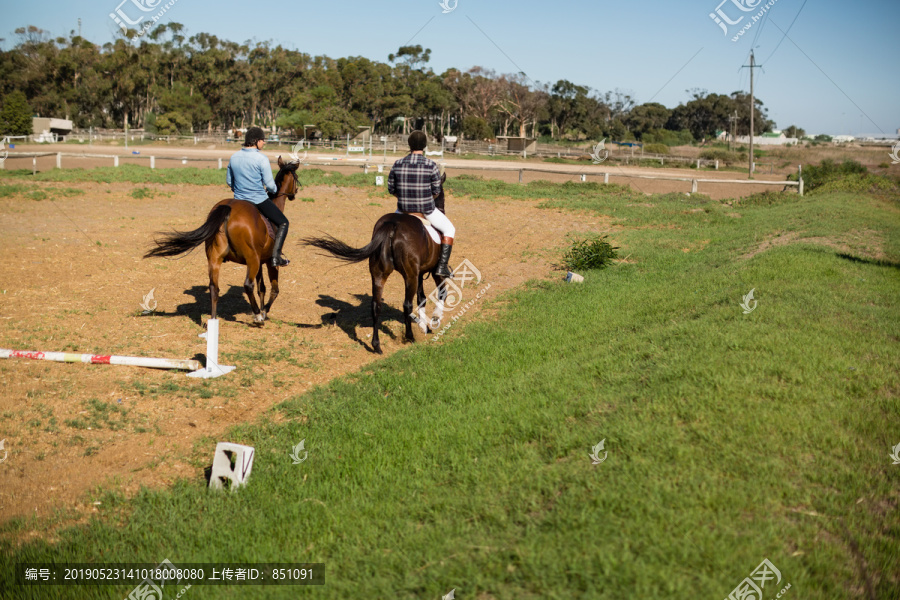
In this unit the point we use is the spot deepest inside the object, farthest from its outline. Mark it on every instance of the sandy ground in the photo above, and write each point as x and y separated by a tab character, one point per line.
72	279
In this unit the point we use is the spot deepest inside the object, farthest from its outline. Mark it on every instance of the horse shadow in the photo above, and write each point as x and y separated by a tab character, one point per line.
231	303
348	316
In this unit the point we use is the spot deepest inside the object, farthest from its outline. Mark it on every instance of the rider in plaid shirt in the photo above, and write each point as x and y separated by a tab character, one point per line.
416	180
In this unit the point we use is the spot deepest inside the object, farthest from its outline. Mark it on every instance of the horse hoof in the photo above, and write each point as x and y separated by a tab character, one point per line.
260	318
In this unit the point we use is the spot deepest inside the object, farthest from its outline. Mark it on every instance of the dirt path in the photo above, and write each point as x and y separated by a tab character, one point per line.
71	279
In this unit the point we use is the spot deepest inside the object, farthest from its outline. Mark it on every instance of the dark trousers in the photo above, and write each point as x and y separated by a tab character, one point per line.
271	212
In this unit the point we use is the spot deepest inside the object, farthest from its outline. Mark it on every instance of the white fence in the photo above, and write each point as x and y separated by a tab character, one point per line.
594	174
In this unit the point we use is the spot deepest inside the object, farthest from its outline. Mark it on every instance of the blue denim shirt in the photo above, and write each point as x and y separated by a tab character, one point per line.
249	175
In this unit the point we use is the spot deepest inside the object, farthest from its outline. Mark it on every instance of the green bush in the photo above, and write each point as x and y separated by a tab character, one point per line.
668	137
769	198
861	184
815	176
724	156
590	253
15	116
656	148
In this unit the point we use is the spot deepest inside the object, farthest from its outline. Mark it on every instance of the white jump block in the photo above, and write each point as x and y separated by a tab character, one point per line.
213	368
231	463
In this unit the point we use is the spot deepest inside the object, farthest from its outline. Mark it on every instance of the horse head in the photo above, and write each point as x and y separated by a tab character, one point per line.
293	183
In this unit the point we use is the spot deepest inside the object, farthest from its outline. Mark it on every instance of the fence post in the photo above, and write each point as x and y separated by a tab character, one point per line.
152	162
717	164
583	177
801	186
220	163
34	165
520	175
59	160
116	160
606	178
693	186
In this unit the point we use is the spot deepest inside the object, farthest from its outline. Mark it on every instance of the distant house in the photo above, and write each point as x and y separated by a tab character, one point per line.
769	138
721	135
50	130
843	139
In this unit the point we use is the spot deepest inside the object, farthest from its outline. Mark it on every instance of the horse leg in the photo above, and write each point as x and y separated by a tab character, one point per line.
216	250
273	280
214	266
411	287
441	295
420	317
252	272
377	291
261	287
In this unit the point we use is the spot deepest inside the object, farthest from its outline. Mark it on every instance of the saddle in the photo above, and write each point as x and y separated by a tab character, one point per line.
435	235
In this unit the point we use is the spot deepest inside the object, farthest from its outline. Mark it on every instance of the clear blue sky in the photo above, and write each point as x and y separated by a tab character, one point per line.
836	72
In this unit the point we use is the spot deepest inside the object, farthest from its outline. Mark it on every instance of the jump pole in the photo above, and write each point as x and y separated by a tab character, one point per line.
213	368
99	359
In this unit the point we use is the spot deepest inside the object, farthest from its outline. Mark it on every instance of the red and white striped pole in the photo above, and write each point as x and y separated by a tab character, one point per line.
99	359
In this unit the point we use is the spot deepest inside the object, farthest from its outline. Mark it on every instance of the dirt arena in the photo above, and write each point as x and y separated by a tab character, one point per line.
72	279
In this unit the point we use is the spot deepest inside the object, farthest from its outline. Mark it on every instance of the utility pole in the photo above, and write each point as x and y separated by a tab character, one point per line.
732	130
752	66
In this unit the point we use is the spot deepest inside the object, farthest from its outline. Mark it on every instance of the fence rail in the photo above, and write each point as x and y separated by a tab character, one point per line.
695	181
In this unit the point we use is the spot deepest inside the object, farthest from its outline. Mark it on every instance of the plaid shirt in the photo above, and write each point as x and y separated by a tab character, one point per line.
415	180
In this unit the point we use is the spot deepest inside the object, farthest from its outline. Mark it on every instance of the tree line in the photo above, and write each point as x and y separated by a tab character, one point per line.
169	83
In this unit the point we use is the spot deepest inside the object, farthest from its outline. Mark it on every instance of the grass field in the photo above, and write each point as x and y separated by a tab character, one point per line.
731	437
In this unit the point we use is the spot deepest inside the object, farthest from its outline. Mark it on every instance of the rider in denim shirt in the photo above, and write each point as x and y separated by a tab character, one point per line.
249	176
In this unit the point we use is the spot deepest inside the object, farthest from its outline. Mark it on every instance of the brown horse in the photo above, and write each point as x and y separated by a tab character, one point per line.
399	242
235	231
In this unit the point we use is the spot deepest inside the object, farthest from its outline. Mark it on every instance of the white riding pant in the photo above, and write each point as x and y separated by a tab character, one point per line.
440	222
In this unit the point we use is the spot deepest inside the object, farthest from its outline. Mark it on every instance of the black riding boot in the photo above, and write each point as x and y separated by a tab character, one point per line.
277	259
442	270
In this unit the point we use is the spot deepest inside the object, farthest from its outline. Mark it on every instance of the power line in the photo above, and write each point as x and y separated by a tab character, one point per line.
786	31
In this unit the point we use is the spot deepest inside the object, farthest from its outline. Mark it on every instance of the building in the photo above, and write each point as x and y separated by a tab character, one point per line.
50	130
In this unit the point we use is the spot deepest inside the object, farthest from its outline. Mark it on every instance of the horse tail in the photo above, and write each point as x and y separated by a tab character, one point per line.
380	244
179	242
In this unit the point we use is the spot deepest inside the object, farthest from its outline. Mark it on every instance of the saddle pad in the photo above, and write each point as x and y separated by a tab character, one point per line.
435	236
270	229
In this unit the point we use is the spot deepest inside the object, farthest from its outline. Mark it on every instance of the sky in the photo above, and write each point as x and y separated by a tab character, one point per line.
826	66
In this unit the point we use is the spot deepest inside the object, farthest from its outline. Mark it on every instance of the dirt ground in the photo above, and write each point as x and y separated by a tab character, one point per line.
72	279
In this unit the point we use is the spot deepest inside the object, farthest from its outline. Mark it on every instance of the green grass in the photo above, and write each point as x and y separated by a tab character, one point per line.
464	464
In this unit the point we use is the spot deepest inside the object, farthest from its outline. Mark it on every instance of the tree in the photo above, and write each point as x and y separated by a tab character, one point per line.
794	132
647	117
15	116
